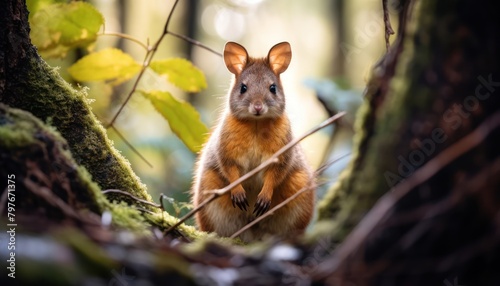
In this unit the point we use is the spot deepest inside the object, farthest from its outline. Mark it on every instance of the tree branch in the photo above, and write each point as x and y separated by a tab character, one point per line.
384	206
289	199
132	196
194	42
131	146
147	59
125	36
387	22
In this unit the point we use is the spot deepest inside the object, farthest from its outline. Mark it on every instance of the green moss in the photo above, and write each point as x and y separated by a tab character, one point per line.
89	253
40	90
15	134
46	95
164	221
81	259
25	138
330	205
383	127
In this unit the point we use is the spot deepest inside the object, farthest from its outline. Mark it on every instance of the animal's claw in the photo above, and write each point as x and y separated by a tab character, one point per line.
261	206
239	200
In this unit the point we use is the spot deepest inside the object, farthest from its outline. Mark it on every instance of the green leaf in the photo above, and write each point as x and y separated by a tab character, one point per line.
181	73
182	117
108	64
35	5
57	28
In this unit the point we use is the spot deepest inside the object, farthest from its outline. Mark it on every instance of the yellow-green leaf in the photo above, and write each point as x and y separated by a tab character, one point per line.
35	5
108	64
57	28
182	73
182	117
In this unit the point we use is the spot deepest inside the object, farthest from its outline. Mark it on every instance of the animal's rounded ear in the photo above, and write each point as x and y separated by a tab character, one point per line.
279	57
235	57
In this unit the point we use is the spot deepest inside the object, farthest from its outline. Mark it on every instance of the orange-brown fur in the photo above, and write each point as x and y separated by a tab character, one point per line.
240	143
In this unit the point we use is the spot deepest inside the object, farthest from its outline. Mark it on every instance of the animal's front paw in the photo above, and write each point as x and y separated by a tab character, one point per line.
239	198
261	205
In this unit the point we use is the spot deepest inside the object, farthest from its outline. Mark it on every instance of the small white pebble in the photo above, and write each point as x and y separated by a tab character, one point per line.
283	252
106	218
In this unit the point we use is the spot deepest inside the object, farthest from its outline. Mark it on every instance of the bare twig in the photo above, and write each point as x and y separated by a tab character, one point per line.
132	196
134	88
194	42
327	165
384	206
131	146
147	59
387	22
273	159
289	199
145	64
125	36
47	194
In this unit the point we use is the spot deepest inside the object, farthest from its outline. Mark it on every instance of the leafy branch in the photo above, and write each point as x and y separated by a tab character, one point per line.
116	66
147	60
150	54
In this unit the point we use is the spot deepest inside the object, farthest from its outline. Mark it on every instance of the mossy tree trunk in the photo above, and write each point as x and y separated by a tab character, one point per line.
428	133
28	83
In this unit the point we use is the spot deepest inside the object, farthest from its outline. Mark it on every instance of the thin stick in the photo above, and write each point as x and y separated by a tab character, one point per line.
273	159
145	64
387	22
384	205
49	197
131	146
327	165
289	199
134	87
125	36
194	42
132	196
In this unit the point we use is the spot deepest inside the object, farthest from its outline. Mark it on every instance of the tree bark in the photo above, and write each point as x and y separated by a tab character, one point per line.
435	92
28	83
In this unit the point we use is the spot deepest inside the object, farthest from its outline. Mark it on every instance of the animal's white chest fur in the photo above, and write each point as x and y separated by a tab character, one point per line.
251	158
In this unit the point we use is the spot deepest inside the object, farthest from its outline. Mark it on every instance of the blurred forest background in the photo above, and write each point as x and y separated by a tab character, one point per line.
349	34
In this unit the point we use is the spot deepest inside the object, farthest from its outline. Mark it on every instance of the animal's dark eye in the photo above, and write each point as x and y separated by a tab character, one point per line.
243	88
272	88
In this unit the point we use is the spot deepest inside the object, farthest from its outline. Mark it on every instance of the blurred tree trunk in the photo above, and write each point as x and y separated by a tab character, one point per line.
429	133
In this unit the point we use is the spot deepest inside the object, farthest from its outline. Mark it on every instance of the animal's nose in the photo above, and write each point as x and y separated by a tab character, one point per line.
258	106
